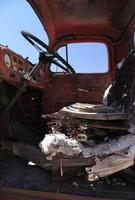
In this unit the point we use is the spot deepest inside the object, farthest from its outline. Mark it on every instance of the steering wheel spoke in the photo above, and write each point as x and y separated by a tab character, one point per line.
46	55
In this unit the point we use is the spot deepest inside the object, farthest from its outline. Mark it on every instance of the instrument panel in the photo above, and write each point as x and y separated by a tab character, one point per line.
13	67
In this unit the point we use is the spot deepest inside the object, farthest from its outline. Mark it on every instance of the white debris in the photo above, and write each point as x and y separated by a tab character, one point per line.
110	147
131	128
31	163
105	96
56	143
131	151
91	176
110	157
75	184
49	157
119	65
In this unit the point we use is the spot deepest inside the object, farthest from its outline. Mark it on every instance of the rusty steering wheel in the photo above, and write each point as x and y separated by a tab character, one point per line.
46	55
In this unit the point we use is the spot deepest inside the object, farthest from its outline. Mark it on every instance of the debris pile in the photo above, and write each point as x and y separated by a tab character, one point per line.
103	132
98	140
109	157
58	143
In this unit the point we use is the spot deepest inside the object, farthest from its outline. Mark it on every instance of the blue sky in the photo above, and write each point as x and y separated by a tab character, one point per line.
17	15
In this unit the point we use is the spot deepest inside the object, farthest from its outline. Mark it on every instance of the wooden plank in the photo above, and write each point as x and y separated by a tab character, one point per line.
35	155
92	116
21	194
100	126
106	164
92	108
31	153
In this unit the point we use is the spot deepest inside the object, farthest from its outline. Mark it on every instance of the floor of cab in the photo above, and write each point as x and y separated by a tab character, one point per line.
15	172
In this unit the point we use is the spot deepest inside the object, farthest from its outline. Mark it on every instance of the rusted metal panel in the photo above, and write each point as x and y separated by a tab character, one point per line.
65	89
84	17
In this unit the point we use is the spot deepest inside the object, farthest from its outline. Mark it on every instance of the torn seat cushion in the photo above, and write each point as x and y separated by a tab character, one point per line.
122	93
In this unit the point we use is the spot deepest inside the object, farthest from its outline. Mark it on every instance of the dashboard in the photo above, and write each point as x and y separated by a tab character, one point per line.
13	67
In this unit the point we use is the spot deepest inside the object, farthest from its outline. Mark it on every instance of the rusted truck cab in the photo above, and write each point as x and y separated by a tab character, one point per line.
109	23
31	92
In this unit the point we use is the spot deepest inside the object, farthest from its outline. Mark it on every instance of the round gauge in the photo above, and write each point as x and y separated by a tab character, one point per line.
7	60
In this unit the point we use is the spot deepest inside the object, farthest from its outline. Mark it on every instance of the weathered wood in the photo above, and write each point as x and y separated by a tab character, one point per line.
112	156
103	159
113	125
91	108
100	126
21	194
69	111
35	155
31	153
112	164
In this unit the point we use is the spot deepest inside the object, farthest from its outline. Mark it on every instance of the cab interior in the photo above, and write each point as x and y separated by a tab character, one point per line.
30	93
